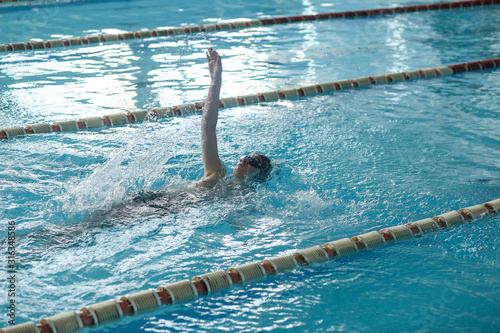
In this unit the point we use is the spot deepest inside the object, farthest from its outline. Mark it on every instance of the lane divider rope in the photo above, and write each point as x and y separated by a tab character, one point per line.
77	41
145	301
10	1
6	3
191	108
15	1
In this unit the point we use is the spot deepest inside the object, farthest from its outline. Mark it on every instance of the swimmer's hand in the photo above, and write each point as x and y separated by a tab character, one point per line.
214	64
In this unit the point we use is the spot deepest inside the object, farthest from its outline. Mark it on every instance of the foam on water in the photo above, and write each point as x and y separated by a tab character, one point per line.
124	171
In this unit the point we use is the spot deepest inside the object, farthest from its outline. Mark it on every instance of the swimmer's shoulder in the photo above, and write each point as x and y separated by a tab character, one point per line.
213	179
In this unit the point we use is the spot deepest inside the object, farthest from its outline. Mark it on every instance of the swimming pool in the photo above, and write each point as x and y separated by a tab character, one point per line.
349	162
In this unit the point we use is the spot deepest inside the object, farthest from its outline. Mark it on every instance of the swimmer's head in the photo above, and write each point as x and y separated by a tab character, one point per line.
253	167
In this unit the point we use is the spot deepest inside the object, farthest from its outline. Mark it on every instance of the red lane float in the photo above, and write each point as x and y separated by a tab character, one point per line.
111	311
53	43
185	109
9	1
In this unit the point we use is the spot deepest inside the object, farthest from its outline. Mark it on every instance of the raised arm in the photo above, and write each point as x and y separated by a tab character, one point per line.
211	162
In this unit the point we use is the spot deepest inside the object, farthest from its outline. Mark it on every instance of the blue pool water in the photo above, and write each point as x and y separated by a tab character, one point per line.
347	163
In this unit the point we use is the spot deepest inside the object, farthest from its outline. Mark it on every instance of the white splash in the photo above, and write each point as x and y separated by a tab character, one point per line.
129	168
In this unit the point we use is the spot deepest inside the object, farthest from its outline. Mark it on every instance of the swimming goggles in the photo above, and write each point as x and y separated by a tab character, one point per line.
253	161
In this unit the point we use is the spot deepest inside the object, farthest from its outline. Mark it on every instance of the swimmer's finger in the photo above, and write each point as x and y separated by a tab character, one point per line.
211	54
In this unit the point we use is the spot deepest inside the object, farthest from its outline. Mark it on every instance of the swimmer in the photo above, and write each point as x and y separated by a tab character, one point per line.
253	167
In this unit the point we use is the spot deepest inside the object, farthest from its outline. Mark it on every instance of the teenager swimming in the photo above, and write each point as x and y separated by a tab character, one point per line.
251	167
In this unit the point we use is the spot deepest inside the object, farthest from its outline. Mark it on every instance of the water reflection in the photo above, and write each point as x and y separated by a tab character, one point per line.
73	83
